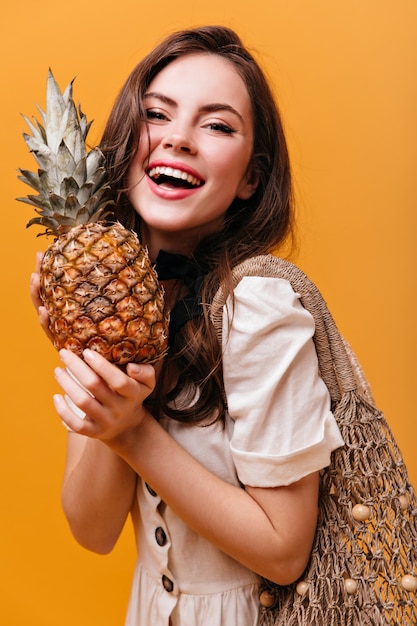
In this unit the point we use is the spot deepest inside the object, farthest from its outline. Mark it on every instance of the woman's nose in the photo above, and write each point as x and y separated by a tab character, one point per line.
179	141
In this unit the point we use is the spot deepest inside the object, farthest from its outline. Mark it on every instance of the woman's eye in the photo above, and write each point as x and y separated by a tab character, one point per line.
151	114
218	127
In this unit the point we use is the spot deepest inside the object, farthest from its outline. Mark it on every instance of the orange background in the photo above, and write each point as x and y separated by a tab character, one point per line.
345	75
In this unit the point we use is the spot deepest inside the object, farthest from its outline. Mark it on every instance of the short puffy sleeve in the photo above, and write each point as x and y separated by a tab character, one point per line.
280	406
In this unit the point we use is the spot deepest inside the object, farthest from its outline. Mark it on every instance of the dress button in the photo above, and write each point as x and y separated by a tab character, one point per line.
151	491
167	583
160	536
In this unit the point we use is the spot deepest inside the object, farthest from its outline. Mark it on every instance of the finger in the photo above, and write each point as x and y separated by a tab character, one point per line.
81	402
122	384
44	322
78	395
92	378
38	262
142	373
37	303
34	291
77	423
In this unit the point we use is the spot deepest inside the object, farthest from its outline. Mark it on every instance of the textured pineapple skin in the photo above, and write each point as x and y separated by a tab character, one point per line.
101	292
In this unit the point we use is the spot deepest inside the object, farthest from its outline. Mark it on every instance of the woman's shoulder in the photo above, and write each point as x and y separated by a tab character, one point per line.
266	277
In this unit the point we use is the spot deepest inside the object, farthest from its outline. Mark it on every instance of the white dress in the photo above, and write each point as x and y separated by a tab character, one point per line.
278	429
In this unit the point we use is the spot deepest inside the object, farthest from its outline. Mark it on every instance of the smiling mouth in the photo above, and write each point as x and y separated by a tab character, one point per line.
174	177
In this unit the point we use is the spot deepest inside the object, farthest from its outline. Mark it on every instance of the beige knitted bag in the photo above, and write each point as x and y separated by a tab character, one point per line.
363	569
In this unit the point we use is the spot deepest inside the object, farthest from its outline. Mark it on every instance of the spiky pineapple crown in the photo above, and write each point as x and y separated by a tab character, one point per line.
71	181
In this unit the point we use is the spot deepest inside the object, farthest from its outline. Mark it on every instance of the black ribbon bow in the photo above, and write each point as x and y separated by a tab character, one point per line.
169	265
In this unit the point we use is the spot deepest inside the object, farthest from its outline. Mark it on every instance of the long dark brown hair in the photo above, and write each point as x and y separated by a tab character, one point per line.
255	226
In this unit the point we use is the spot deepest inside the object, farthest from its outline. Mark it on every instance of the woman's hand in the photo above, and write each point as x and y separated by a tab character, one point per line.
34	290
111	400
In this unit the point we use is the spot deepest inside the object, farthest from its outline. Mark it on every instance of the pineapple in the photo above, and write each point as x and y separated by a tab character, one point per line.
97	281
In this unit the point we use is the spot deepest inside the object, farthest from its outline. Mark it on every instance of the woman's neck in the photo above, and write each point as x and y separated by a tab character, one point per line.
177	243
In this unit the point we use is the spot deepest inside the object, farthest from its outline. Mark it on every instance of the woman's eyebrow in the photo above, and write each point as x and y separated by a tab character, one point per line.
212	107
220	106
161	97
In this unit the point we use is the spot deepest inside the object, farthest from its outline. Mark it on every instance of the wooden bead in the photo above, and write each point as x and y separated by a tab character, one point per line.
302	588
361	512
351	586
409	582
266	599
404	501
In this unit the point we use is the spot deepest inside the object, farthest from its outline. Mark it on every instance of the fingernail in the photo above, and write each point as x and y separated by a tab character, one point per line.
57	399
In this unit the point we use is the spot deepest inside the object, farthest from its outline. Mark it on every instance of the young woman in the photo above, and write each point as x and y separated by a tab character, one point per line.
216	451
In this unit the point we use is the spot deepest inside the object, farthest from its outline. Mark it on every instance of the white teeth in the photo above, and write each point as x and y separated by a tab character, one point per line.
174	173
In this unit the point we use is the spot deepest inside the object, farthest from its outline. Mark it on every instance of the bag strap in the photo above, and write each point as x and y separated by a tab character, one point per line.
338	365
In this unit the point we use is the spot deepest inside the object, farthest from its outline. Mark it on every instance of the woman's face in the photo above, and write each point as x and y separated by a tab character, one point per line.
196	161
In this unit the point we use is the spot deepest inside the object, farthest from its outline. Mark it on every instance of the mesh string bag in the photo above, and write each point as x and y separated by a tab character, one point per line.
362	569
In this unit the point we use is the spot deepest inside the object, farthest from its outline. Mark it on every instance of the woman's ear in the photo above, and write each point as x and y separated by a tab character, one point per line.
248	184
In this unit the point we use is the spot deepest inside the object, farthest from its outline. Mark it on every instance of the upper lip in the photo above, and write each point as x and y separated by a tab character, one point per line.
175	169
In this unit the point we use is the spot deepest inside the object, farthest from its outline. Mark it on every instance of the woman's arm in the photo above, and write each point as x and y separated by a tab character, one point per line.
97	492
268	530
